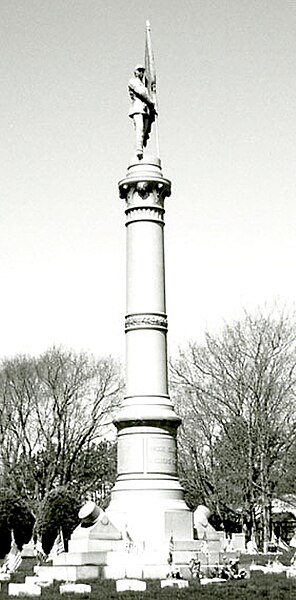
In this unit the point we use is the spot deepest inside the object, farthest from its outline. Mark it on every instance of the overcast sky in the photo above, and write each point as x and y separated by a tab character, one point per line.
227	122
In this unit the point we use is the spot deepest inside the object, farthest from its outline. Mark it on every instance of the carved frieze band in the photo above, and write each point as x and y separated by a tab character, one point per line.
146	321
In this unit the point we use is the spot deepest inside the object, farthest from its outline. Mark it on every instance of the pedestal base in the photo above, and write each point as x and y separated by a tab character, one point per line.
115	559
152	523
119	564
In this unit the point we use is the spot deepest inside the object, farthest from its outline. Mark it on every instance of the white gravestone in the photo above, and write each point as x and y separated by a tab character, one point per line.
135	585
176	583
24	589
75	588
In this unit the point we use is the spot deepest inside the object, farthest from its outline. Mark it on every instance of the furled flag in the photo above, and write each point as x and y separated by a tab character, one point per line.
171	550
38	550
205	548
150	82
128	541
58	546
150	72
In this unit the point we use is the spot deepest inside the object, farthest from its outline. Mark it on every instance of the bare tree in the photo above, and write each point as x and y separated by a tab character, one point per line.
52	408
239	390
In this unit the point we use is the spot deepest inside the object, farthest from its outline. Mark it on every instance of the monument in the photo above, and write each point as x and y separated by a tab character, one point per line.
147	497
147	525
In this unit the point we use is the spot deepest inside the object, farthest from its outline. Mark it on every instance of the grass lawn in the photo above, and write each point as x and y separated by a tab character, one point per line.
259	586
269	587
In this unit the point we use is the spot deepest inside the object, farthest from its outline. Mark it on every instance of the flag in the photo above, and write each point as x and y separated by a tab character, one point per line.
150	83
38	550
150	72
13	559
282	545
205	548
58	546
59	543
273	538
171	550
128	541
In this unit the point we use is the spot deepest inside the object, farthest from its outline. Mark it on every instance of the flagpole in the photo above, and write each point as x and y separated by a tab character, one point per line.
157	137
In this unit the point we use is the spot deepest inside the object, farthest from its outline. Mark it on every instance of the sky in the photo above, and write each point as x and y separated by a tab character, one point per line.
227	122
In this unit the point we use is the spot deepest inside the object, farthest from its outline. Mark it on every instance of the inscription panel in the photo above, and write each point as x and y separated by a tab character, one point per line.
161	455
130	454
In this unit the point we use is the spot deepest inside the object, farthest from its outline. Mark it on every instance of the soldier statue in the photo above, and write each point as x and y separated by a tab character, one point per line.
142	109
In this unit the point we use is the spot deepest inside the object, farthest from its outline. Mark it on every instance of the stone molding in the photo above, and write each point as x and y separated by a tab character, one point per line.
146	321
145	213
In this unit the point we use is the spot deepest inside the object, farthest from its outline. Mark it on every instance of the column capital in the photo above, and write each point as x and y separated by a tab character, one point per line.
144	180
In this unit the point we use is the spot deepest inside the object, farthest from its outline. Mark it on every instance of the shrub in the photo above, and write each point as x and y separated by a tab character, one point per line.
59	511
14	516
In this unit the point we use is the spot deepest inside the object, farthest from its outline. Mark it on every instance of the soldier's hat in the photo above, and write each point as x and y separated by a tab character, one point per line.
139	67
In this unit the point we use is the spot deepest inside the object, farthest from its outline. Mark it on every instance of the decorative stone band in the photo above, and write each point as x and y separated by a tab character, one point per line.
145	213
146	321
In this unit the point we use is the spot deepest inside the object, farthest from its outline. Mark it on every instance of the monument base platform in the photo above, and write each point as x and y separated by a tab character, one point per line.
121	562
98	549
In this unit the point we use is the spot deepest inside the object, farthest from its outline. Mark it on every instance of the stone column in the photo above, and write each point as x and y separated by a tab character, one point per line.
147	498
